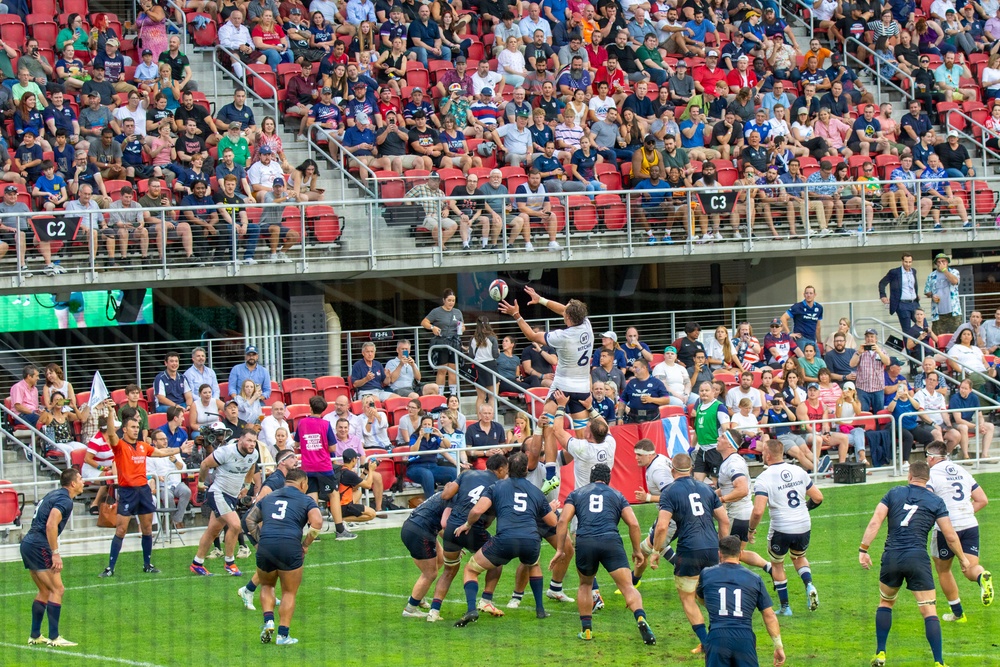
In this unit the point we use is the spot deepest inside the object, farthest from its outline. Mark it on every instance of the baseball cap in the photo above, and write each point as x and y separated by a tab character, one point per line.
849	385
670	348
327	90
610	334
266	150
871	331
349	455
522	113
417	89
147	52
712	54
362	118
250	349
752	12
30	131
112	42
434	176
488	92
650	139
295	10
397	9
455	87
803	111
943	256
577	16
776	322
681	63
460	59
952	133
235	125
278	181
359	83
742	58
9	189
895	361
812	385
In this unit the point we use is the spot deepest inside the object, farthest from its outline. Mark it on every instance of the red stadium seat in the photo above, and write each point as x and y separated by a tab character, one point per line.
298	390
582	213
157	419
612	212
325	224
331	387
11	505
432	403
295	412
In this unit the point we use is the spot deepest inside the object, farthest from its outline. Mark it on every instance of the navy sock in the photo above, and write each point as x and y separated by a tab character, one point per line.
806	574
635	579
268	616
37	614
340	527
436	604
639	614
781	587
701	632
251	587
217	543
587	622
282	630
669	555
413	602
883	623
956	608
471	591
116	548
595	585
488	596
53	609
536	590
147	549
550	471
932	628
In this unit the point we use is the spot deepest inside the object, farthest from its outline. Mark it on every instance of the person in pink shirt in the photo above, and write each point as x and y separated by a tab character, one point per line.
24	398
317	442
834	130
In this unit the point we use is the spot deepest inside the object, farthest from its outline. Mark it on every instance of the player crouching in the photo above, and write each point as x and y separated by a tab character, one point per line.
599	544
281	549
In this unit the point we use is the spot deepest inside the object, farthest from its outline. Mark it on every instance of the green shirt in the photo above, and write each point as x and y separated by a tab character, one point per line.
143	417
241	150
18	91
706	423
811	369
644	54
679	159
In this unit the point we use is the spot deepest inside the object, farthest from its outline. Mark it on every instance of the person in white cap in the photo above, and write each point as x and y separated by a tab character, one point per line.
955	157
360	142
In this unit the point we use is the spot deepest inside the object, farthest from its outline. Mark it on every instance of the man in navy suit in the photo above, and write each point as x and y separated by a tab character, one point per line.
904	297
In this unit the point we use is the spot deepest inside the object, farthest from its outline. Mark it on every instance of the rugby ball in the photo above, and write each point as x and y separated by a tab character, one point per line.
498	290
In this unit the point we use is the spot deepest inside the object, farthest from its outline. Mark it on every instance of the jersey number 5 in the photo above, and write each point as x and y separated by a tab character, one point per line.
697	509
282	505
520	502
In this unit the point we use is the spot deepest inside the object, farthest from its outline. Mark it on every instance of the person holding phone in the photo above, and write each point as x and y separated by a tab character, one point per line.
870	362
402	377
433	464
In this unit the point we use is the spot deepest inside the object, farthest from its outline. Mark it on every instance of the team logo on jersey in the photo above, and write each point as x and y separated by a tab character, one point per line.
786	475
602	457
585	338
951	469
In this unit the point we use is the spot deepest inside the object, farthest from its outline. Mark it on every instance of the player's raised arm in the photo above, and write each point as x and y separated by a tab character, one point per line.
773	629
881	511
558	427
955	544
111	430
514	311
554	306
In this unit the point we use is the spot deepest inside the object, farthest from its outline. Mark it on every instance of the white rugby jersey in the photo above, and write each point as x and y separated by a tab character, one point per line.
233	468
954	486
785	487
574	347
659	474
734	467
588	454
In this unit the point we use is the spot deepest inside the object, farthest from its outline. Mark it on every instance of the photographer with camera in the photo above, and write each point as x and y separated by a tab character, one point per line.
870	361
351	481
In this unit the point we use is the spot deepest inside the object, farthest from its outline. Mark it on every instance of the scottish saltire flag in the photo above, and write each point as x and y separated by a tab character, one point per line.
98	391
675	434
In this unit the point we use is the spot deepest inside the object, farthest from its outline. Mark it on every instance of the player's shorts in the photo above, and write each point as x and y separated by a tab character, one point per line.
279	555
135	500
322	483
731	648
740	528
352	509
593	553
707	462
472	540
914	567
221	503
968	537
576	399
545	531
779	544
501	551
671	533
421	544
36	554
691	563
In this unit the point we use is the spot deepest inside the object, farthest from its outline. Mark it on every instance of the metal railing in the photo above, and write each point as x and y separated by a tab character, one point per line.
342	155
984	132
491	392
897	439
249	75
880	81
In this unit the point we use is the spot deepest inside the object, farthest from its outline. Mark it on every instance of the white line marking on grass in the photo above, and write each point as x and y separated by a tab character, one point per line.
83	656
401	596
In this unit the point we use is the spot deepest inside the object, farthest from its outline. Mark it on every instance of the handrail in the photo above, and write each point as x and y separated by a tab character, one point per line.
36	434
805	5
937	353
345	154
271	103
917	413
879	79
982	135
529	398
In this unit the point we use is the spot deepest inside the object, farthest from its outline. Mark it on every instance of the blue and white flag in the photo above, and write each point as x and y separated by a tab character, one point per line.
675	434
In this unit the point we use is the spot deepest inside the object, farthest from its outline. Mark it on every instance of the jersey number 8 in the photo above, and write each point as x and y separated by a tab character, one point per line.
793	499
596	504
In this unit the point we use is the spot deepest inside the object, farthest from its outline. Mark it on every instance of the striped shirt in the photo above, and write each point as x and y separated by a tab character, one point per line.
570	136
871	372
487	113
101	450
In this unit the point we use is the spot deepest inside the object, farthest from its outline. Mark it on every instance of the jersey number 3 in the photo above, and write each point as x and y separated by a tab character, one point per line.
282	505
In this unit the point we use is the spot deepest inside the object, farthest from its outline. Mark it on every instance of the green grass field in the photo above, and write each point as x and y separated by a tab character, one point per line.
353	593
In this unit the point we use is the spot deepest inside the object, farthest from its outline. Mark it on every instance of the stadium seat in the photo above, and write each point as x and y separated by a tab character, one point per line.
671	411
297	390
582	213
208	35
224	390
332	386
325	224
356	406
395	407
432	403
82	398
612	211
11	506
12	32
386	466
293	413
535	399
156	420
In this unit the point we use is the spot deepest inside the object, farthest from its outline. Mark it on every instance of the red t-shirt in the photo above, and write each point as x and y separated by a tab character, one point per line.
272	37
130	460
709	79
747	80
617	78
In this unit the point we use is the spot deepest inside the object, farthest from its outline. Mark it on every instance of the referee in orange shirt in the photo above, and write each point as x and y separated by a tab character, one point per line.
134	495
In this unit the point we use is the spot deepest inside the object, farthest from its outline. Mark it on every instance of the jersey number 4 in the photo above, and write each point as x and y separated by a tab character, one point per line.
475	493
282	505
737	602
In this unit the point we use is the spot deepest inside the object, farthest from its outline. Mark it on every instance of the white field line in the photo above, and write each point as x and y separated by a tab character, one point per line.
82	656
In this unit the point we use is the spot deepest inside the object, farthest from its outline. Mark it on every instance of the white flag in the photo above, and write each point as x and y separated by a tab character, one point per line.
98	391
